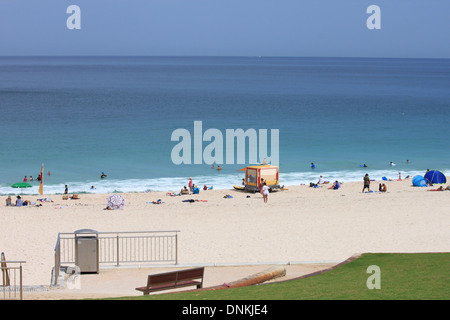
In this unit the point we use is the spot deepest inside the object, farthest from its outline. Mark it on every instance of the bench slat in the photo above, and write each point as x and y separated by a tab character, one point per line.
169	286
161	278
190	274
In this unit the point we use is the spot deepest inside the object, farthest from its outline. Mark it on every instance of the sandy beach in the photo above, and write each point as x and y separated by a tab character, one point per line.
299	226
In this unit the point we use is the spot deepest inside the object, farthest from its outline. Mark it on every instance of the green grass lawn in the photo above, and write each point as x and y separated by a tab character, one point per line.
421	276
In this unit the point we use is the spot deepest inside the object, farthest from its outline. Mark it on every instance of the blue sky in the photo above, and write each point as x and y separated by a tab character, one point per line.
332	28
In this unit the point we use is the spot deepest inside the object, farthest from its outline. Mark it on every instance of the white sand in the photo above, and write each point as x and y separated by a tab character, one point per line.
296	225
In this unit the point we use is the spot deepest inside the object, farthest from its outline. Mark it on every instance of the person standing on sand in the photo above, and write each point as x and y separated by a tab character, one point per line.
190	184
66	190
265	192
366	182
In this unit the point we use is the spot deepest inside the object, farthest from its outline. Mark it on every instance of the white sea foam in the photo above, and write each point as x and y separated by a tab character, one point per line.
225	181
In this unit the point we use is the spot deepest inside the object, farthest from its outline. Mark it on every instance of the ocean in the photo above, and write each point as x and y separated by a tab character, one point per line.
80	116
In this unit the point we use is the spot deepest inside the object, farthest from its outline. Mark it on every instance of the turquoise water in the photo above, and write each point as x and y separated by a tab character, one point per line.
80	116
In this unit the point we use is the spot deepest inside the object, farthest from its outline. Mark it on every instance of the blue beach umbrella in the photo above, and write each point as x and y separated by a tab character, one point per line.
435	176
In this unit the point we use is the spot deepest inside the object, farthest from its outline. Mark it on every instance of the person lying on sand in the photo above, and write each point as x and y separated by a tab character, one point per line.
441	188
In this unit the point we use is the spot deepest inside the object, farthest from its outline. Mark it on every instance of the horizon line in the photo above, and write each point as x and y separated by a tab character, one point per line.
217	56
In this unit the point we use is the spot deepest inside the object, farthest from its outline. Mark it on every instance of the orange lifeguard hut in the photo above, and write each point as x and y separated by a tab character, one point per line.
254	174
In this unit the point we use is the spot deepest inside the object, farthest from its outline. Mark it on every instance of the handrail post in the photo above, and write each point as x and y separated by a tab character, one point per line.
118	259
176	247
57	259
21	287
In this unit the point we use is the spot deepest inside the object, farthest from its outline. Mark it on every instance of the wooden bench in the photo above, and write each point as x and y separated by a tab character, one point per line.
174	279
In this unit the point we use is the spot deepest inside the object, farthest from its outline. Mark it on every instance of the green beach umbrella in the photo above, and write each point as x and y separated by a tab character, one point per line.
21	185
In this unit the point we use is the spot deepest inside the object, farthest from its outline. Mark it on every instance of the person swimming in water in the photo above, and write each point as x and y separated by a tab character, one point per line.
103	175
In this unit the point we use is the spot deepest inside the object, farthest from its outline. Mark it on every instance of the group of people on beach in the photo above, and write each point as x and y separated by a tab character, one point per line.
193	188
19	202
334	186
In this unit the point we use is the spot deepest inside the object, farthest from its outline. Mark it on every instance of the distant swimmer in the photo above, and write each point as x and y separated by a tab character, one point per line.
313	166
103	175
392	164
219	168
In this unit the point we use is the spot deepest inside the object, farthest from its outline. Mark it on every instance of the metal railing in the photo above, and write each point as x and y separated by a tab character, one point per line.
116	248
11	287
